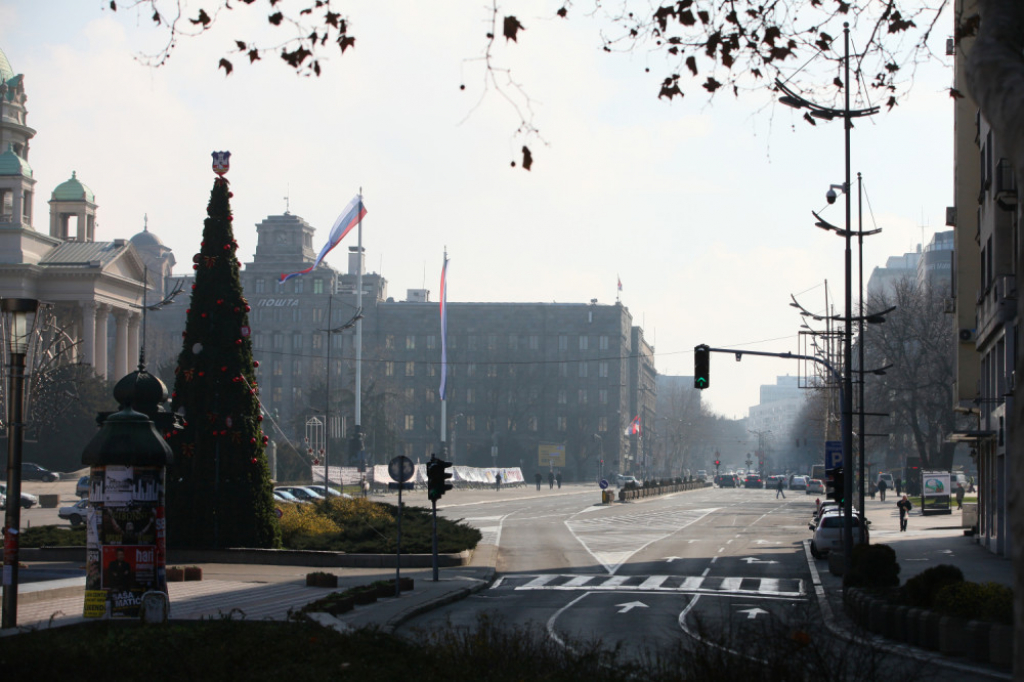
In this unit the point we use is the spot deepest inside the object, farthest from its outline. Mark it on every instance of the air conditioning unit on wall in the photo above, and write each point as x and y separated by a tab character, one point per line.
968	336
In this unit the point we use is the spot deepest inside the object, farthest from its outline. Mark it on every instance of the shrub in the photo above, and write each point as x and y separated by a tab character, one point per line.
920	591
53	536
980	601
304	521
873	566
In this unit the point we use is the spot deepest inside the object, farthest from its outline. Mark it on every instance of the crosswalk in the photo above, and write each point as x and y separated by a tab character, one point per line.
769	587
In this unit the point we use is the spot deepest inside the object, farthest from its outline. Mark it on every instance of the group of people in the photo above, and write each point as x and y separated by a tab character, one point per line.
553	479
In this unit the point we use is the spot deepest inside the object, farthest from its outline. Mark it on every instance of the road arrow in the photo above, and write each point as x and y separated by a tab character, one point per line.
753	613
632	605
752	560
670	559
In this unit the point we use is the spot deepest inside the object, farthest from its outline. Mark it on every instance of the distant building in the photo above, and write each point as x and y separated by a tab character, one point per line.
771	423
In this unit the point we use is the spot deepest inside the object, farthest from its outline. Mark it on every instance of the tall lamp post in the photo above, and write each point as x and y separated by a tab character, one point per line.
16	311
791	98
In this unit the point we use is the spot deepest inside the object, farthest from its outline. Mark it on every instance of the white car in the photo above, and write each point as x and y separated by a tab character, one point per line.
815	486
828	534
798	483
75	513
27	499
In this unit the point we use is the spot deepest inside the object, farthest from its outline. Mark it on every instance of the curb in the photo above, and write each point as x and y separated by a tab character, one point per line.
450	598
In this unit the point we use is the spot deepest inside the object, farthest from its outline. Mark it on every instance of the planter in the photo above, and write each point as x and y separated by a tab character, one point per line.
1000	646
978	634
877	612
365	596
175	574
193	573
929	631
341	605
952	636
386	590
406	584
901	623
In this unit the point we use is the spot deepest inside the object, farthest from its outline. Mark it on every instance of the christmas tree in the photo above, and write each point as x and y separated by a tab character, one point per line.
218	489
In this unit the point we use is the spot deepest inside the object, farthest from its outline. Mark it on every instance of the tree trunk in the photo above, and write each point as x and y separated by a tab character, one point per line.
995	77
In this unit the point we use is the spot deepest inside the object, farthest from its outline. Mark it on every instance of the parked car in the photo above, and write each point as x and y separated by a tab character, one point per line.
622	481
753	481
889	483
828	534
33	472
329	492
76	513
285	496
28	500
702	475
82	487
303	493
798	483
815	485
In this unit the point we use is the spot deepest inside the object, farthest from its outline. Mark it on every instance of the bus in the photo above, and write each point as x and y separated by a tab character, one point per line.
818	472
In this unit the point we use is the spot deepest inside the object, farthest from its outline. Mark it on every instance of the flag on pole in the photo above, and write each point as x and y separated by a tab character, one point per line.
634	427
620	283
351	216
444	326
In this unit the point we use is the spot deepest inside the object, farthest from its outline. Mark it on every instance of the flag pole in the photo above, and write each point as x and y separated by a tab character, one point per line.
358	435
444	354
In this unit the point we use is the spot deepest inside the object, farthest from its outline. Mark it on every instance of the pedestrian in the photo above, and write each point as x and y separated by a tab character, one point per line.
558	479
497	481
872	489
551	480
899	487
817	504
778	489
959	495
538	478
904	505
970	484
881	489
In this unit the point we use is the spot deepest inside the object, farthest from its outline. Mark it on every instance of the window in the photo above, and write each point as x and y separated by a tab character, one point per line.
318	286
296	315
410	394
410	369
278	341
581	396
257	342
562	397
389	342
451	341
410	422
602	370
531	422
563	342
389	369
299	285
470	396
432	370
275	395
562	424
602	396
318	315
407	450
471	369
492	370
584	342
583	370
296	394
431	395
278	368
431	342
602	342
471	423
318	341
513	342
410	342
534	342
296	368
563	369
296	341
492	342
261	285
602	424
472	342
429	422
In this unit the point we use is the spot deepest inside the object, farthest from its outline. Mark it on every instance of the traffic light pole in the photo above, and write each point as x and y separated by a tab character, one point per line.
433	505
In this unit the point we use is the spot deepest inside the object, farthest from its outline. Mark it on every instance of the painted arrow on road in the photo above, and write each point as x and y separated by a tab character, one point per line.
753	560
632	605
753	613
670	559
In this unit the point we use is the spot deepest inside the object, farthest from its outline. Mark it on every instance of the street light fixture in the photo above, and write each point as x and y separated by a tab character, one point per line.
791	98
16	312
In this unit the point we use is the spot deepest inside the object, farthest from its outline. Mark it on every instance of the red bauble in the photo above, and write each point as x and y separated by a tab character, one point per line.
259	418
253	442
193	287
183	335
255	363
220	301
195	258
195	267
188	310
238	342
247	308
265	439
253	460
203	315
202	374
226	247
224	369
174	395
230	194
237	309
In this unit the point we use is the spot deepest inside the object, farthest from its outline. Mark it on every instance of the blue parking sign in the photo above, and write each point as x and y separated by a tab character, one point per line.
833	454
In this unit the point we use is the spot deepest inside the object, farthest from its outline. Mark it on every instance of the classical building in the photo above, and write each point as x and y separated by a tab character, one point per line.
92	289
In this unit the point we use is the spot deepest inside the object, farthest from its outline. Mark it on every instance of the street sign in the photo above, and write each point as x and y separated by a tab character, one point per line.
833	454
603	484
395	486
401	468
278	513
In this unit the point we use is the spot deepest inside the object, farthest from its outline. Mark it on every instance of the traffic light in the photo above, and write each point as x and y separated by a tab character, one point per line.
717	462
437	478
701	366
835	484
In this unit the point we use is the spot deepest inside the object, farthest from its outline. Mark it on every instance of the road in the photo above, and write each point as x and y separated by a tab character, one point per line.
724	569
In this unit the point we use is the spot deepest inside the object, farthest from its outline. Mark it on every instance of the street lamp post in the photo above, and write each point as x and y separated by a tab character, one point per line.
16	312
793	99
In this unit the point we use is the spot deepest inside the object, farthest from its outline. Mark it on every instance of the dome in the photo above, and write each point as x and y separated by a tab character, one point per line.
73	190
146	238
6	72
141	391
11	163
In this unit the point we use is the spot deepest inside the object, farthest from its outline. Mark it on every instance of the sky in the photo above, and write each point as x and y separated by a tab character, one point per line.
702	209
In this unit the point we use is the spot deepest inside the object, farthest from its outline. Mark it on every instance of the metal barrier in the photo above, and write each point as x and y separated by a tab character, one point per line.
664	489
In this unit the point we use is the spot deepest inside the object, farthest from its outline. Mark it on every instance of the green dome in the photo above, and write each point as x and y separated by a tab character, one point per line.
6	72
12	164
73	190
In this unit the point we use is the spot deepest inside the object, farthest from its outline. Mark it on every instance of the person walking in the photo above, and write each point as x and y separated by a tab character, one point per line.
881	489
904	505
551	480
960	495
558	479
497	481
778	489
538	478
899	487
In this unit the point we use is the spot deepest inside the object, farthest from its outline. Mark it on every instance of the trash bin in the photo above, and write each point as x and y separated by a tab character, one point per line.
49	501
969	518
607	497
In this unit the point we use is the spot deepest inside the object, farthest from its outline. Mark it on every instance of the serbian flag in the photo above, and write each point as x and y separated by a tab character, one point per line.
444	326
349	218
620	283
634	427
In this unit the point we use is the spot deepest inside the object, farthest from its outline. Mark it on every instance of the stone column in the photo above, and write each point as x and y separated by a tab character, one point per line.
100	350
87	352
134	322
120	343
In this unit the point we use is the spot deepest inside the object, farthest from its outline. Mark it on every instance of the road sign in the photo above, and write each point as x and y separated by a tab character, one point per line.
603	484
833	454
395	486
401	468
278	513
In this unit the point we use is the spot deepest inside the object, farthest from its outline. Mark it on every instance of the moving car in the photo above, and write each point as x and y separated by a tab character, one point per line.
828	534
702	475
33	472
753	481
75	513
773	481
727	481
798	483
623	481
28	500
815	486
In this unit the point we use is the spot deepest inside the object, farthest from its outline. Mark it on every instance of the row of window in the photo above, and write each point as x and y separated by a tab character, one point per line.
469	423
297	285
491	342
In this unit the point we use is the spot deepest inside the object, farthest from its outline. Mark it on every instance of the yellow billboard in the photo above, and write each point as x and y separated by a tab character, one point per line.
551	455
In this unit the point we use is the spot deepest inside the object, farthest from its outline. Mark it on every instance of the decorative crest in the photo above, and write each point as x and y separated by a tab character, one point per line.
221	162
